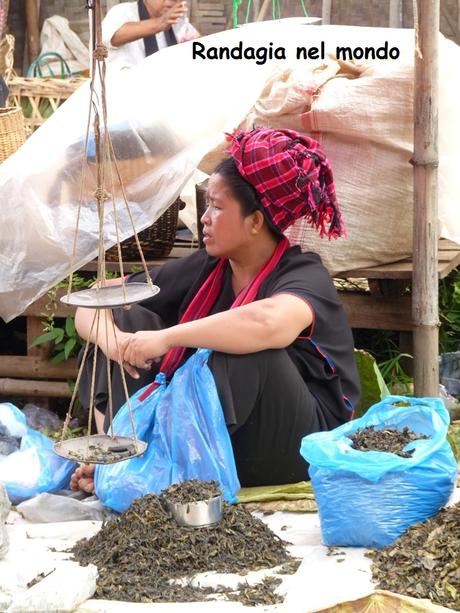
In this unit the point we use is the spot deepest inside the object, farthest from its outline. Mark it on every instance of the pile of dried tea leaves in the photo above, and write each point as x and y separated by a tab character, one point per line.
386	439
424	561
192	490
262	593
142	552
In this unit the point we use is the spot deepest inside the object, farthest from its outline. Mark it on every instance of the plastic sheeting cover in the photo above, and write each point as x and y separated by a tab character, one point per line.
164	115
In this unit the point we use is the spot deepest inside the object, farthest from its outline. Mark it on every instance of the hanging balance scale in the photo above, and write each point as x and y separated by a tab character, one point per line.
103	296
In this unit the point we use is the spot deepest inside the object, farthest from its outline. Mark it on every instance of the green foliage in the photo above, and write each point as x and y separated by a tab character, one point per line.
78	283
449	312
65	338
383	346
394	374
453	436
373	386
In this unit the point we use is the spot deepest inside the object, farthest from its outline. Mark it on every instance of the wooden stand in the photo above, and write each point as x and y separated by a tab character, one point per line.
384	307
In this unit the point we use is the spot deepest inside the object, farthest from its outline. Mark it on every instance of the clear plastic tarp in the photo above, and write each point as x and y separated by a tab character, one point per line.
164	115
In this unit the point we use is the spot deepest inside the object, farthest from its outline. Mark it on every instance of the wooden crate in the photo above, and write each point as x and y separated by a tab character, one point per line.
210	17
39	98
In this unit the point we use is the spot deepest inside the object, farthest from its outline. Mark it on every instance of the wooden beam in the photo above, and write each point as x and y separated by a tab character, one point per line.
33	30
23	387
31	367
448	259
34	330
376	312
425	226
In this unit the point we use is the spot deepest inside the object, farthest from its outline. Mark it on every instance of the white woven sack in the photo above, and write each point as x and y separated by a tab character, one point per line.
362	114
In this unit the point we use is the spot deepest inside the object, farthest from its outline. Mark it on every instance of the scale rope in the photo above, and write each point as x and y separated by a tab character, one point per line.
107	172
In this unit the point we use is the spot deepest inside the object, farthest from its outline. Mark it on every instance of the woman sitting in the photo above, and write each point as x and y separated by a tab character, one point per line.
282	358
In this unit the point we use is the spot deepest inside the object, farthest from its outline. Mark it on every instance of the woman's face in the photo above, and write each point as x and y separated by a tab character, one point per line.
226	232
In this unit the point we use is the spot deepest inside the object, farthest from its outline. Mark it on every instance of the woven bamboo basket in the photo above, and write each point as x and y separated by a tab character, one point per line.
7	57
12	131
39	98
156	241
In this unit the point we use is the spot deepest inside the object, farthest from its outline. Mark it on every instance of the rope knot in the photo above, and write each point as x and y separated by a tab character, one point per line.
101	195
100	52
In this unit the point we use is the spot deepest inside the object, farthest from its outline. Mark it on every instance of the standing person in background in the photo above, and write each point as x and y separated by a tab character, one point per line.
132	31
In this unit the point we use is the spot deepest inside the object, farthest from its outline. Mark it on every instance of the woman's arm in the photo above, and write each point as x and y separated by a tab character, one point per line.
104	333
270	323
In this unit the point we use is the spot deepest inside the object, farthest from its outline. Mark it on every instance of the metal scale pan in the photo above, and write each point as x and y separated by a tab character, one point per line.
111	296
100	449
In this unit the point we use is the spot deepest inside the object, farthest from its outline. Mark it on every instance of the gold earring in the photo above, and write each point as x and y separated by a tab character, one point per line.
254	231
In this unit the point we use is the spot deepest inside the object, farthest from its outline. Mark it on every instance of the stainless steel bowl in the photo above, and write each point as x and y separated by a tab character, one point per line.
196	514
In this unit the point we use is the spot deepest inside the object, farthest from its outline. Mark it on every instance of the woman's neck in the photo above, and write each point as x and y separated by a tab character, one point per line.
244	269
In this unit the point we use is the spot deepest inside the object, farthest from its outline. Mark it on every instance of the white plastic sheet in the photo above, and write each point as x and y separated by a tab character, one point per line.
362	114
61	591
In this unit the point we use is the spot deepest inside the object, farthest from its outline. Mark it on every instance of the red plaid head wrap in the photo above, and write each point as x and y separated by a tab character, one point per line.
292	177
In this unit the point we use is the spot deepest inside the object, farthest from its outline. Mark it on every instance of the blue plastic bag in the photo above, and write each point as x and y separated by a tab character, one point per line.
368	499
34	468
184	426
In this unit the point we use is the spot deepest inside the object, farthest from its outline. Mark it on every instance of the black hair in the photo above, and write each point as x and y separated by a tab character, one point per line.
243	191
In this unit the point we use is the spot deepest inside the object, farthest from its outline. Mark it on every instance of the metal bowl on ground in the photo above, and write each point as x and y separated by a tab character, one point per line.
196	514
100	449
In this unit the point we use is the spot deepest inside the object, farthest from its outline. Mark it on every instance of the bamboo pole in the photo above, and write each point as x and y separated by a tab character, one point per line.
326	12
263	10
255	9
425	225
394	19
33	30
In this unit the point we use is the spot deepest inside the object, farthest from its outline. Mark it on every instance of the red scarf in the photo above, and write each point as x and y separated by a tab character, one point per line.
205	299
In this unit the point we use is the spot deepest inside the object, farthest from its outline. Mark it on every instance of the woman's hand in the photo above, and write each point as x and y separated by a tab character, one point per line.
114	351
83	479
142	348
